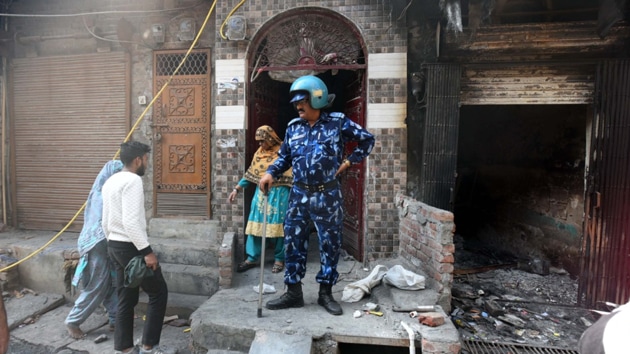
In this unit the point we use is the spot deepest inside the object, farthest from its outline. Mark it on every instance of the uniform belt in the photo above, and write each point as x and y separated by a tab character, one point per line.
317	187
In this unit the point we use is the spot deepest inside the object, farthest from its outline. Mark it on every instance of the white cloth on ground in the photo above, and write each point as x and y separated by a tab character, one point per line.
354	292
404	279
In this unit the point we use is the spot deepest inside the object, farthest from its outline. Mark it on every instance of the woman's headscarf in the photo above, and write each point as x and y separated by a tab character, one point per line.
92	232
264	158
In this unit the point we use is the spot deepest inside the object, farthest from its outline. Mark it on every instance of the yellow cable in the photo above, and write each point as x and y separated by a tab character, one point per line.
194	43
228	16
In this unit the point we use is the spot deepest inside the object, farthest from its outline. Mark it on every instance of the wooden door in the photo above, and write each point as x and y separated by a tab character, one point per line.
353	179
181	131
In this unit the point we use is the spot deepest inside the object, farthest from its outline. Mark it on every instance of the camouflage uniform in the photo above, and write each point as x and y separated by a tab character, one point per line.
315	153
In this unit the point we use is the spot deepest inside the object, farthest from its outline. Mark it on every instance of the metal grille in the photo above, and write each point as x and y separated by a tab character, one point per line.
196	64
477	347
439	158
604	274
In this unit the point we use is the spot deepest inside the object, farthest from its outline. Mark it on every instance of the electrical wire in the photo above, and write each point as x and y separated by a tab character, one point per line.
228	17
87	28
135	126
102	12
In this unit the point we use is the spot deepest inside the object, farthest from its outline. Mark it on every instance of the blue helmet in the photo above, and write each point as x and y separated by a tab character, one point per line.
314	87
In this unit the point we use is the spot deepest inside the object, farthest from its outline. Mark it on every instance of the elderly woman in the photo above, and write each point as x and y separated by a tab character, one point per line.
278	197
94	269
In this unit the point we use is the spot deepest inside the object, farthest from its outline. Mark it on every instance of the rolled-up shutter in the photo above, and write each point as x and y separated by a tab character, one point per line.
504	84
69	116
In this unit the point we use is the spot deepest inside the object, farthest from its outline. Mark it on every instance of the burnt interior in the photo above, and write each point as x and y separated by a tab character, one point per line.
519	195
528	11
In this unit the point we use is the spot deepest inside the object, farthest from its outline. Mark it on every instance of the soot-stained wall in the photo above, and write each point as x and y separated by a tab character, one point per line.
520	183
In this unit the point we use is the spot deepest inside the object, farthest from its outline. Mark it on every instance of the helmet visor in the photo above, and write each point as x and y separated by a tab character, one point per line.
298	97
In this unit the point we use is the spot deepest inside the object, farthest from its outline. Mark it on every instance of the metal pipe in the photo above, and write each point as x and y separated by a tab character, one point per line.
3	159
412	337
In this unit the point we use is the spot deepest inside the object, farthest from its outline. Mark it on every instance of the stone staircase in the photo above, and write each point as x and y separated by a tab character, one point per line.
189	254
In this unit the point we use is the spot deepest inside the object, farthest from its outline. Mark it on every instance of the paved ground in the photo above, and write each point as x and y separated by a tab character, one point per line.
35	334
36	318
228	320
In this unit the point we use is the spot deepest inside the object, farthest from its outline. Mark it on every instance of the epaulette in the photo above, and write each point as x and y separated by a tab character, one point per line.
337	115
294	120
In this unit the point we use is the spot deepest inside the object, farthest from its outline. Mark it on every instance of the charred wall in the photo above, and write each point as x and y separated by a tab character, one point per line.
520	186
423	19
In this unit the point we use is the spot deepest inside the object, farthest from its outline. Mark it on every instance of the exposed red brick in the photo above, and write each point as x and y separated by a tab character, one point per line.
431	319
446	268
442	216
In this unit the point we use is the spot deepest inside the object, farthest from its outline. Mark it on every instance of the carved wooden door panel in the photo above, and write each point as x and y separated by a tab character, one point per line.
181	127
352	182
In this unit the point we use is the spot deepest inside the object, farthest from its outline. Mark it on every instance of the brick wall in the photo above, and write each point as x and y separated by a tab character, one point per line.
426	240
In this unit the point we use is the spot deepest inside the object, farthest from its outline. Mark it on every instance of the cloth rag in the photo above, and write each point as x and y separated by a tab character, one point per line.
354	292
135	271
404	279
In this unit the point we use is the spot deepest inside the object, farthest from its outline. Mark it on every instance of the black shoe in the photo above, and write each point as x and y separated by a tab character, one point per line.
292	298
327	301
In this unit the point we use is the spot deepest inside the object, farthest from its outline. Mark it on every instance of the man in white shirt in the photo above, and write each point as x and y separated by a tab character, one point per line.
124	224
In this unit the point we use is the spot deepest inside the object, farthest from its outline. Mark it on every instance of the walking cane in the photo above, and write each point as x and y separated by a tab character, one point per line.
262	254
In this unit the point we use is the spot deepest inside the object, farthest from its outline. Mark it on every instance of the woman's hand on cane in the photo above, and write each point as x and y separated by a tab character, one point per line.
265	183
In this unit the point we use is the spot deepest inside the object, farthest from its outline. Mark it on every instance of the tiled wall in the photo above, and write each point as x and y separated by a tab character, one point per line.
386	44
384	37
387	175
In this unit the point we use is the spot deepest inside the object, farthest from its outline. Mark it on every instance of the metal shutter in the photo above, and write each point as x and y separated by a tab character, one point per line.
503	84
69	116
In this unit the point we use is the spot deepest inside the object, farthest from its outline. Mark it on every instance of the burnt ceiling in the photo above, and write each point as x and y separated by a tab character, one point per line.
472	14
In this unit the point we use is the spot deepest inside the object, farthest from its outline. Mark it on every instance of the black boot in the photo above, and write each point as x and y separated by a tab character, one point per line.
327	301
292	298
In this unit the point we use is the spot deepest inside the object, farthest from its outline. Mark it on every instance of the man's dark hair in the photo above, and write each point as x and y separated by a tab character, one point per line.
132	149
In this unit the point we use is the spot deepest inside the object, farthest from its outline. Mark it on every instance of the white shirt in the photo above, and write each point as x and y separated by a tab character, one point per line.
123	209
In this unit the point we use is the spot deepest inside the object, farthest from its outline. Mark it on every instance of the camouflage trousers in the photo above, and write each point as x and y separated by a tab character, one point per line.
324	211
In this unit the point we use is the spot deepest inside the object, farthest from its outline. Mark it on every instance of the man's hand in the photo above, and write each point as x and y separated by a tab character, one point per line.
265	183
151	261
342	168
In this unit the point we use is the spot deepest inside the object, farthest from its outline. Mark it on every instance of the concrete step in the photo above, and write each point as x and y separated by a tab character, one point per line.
184	251
182	305
221	351
190	279
267	342
202	231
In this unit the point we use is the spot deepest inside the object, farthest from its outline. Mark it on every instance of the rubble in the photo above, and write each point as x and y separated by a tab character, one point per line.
498	301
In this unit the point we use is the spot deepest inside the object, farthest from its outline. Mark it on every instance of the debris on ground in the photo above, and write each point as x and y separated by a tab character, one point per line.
504	303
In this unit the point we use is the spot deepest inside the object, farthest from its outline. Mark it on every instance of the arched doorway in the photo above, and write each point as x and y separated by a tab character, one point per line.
311	41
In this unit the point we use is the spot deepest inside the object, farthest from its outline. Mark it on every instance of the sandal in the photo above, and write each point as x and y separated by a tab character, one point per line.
243	266
277	267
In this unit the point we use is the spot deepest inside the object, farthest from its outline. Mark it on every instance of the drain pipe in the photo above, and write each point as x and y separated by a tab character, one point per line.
412	337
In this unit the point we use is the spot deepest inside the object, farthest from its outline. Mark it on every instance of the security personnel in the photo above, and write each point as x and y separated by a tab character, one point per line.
314	147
